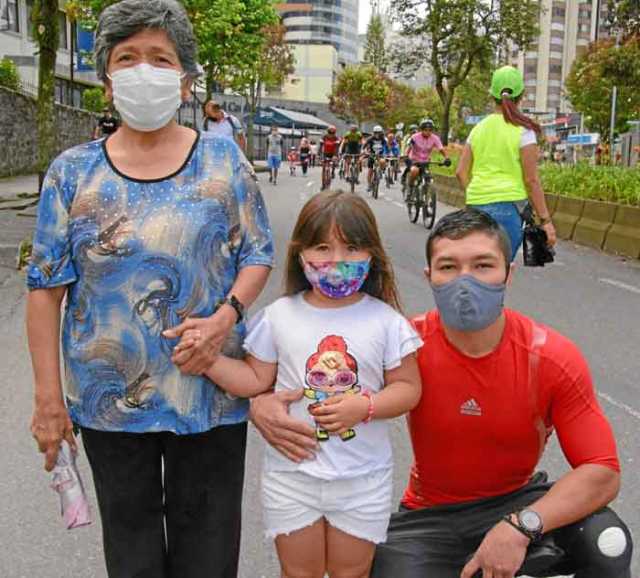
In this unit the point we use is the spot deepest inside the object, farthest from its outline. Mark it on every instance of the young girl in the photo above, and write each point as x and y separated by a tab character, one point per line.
338	334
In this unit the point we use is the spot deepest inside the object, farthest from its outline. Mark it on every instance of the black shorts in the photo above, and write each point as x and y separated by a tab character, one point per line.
438	541
351	149
372	160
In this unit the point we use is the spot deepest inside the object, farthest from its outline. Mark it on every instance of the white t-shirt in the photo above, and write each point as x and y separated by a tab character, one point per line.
352	346
228	127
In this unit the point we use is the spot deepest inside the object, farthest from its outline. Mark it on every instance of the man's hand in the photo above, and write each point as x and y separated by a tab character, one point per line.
340	412
213	330
294	439
51	424
500	555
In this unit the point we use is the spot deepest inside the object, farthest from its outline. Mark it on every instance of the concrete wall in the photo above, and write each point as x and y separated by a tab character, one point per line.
316	69
19	135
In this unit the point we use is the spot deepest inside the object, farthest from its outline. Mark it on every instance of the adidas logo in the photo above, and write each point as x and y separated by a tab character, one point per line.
470	407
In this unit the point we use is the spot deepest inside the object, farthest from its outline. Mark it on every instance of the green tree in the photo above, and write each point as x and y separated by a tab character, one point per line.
274	63
230	34
456	35
360	93
9	77
592	78
93	99
45	26
375	52
627	15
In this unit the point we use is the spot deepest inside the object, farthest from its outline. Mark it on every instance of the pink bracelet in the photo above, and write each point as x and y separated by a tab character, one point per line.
366	393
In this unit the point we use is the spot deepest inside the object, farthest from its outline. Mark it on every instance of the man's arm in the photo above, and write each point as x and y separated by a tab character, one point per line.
588	444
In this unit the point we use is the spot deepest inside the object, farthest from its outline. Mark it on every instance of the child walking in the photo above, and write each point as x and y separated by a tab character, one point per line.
337	333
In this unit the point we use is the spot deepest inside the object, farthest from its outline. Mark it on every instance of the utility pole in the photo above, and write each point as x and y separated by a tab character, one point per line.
613	28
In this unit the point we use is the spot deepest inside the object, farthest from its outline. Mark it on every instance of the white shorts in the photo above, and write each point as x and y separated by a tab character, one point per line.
358	506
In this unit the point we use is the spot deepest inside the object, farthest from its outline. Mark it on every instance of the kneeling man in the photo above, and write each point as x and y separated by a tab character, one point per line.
496	384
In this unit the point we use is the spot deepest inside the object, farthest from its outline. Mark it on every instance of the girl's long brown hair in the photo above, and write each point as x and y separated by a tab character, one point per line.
512	114
351	218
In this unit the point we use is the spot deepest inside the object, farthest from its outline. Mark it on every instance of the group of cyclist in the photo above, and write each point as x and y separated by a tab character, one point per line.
378	150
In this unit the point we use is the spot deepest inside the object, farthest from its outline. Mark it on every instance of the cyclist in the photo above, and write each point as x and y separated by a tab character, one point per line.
413	129
351	146
421	146
376	148
394	149
304	154
329	146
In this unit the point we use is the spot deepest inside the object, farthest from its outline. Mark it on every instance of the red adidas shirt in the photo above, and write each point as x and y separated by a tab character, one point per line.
481	424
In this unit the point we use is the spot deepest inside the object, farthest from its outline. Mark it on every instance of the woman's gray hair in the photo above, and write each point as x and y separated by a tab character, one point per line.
128	17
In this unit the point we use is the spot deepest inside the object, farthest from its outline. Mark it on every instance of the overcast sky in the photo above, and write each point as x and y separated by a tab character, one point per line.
365	14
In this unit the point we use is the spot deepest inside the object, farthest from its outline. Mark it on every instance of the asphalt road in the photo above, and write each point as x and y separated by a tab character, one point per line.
590	297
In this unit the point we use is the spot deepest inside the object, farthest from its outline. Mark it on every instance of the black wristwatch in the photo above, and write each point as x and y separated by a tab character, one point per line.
528	523
237	305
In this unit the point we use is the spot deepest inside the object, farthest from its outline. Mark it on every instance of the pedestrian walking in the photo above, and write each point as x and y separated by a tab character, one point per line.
314	152
304	154
107	124
274	154
154	231
354	353
221	123
498	166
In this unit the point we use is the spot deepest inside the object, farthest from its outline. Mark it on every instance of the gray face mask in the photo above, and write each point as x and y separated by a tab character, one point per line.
466	304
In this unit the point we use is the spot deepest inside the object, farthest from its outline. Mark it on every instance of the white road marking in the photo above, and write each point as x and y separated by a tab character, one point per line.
623	406
398	204
310	184
621	285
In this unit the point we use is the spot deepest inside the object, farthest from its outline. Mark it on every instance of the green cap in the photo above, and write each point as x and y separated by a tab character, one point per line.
507	78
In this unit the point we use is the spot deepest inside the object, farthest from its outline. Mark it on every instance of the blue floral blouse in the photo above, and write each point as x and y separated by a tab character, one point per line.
138	257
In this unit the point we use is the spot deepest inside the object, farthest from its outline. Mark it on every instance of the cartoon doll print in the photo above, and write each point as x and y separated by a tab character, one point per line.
330	371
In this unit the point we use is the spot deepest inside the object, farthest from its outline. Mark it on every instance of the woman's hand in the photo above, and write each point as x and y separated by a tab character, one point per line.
550	230
293	438
340	413
201	353
51	424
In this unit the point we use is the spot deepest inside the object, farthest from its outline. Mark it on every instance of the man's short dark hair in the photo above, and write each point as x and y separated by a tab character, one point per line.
460	224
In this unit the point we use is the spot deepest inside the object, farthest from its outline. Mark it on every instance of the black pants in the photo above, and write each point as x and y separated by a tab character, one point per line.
438	542
170	504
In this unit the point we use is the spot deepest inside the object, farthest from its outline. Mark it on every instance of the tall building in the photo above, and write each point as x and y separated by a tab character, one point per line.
324	22
567	27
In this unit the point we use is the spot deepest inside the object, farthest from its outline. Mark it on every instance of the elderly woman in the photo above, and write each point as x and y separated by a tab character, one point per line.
155	230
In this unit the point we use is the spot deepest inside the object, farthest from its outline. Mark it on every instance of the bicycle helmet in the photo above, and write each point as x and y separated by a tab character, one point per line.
331	129
353	127
426	123
377	129
413	128
508	81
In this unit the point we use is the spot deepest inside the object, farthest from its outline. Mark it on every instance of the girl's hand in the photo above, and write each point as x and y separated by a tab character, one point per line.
340	412
189	339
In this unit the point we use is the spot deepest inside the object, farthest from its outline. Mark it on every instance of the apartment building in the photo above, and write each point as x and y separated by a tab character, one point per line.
17	44
567	27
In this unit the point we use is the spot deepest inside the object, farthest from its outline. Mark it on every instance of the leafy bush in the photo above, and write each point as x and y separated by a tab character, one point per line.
601	183
9	77
93	99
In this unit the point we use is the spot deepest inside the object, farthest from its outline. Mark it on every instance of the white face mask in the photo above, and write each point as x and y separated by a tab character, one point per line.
146	97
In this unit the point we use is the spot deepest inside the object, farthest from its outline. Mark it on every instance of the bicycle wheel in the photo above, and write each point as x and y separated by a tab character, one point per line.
413	202
375	183
429	208
353	177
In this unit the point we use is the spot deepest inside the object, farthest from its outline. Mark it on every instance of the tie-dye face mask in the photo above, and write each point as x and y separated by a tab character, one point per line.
336	279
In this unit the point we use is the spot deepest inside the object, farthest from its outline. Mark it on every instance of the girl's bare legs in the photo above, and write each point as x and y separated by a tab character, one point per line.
348	556
303	553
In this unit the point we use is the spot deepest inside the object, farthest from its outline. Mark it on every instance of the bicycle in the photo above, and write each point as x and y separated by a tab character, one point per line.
391	172
377	176
327	172
421	197
352	176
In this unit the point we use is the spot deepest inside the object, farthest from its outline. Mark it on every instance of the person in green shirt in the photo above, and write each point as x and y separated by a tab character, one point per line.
498	165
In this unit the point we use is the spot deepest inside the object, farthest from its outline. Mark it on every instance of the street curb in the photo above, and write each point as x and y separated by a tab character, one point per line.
568	213
624	236
594	224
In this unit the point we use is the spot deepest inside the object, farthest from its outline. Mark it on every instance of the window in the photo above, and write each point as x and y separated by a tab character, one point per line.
555	69
10	16
557	41
558	12
62	24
